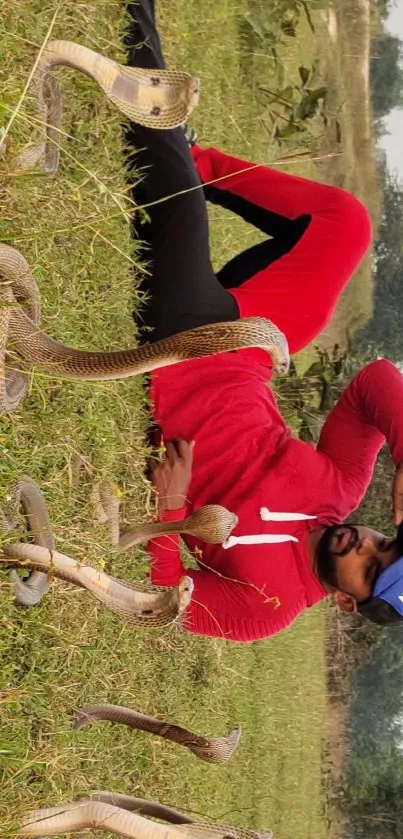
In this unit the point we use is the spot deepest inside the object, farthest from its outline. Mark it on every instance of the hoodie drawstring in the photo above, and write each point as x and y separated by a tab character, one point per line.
268	538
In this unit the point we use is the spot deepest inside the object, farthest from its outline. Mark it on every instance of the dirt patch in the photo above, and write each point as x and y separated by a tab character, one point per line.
344	43
331	22
366	45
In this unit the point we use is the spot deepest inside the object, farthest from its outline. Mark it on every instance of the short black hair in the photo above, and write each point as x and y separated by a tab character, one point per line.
379	611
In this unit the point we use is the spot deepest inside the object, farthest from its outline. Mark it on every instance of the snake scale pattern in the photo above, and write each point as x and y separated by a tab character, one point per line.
21	333
159	99
210	749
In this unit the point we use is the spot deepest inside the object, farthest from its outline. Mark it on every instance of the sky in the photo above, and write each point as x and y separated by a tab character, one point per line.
392	143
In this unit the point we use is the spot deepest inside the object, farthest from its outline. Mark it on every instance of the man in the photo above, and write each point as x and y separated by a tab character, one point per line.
291	499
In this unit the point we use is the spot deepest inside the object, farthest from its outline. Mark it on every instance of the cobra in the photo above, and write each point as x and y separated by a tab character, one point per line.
154	98
20	331
137	603
121	814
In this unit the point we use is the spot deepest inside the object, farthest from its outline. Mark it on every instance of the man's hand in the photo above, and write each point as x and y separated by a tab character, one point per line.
171	476
397	495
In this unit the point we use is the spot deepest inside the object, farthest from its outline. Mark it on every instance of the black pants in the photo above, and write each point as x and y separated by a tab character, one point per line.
182	287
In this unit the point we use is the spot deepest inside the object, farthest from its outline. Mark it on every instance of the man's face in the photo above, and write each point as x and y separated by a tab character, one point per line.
351	557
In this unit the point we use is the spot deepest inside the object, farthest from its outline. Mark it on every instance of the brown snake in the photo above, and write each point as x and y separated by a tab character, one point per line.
27	494
211	523
121	814
210	749
169	814
138	604
19	329
155	98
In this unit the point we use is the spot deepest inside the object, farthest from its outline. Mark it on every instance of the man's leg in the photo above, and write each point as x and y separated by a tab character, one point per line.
257	258
299	290
285	233
183	289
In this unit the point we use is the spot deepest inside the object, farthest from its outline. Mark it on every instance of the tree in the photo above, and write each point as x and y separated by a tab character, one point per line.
385	329
374	772
386	75
383	7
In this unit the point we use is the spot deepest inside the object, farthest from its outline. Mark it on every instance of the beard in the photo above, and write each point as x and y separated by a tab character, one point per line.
327	560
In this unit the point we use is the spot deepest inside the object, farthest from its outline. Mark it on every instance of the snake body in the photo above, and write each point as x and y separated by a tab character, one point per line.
161	811
84	814
210	749
211	523
142	806
27	494
121	814
154	98
19	327
138	604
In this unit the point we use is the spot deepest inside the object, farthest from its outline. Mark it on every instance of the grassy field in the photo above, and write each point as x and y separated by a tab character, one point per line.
237	116
344	47
74	232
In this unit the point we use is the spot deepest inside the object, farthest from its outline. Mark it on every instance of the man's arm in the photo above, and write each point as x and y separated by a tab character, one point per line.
220	607
166	564
171	478
368	413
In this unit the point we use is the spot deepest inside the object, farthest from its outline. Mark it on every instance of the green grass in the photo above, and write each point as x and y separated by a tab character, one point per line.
74	232
208	39
275	691
236	115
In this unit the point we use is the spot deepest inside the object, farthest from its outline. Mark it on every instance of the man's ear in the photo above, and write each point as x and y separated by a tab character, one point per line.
345	602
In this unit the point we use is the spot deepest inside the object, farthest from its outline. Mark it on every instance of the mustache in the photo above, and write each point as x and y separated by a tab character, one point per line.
326	560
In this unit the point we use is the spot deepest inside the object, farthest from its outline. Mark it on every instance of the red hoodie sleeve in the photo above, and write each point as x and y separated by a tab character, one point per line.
219	607
166	564
368	413
233	610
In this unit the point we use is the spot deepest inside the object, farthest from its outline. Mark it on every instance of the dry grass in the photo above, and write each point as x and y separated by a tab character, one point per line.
74	232
345	62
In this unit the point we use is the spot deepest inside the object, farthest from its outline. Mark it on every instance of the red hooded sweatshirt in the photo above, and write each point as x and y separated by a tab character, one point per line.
245	457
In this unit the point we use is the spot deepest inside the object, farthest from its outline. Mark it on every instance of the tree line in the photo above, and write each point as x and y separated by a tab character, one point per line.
372	790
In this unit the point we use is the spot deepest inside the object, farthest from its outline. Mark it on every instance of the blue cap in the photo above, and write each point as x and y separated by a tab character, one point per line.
389	586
